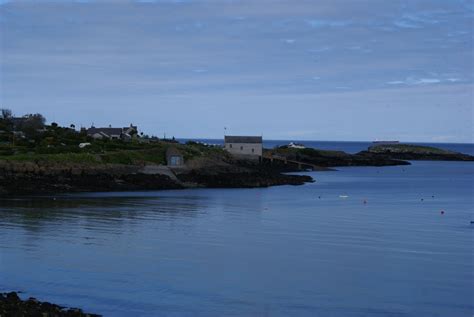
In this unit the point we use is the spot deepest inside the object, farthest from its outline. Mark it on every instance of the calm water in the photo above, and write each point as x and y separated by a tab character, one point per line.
280	251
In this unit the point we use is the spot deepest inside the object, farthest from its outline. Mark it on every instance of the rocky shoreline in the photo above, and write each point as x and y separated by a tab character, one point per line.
211	171
12	305
37	178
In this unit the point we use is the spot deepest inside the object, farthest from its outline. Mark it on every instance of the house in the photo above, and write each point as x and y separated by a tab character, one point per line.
246	147
105	133
293	145
174	157
126	133
130	132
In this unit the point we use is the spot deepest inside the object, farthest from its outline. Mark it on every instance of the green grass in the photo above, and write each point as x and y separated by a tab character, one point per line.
125	153
85	158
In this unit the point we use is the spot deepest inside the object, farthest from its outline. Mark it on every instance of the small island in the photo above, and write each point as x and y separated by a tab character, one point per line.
414	152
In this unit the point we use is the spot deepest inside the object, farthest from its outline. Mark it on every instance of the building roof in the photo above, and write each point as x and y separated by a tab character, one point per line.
242	139
108	131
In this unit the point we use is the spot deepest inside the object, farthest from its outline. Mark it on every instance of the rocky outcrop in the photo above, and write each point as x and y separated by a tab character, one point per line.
325	158
33	178
12	305
413	153
241	178
24	178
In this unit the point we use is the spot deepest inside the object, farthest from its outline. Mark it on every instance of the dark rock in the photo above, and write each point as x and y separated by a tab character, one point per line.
12	305
326	159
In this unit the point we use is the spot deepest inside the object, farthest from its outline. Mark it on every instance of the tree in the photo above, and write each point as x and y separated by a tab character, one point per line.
31	123
6	113
6	123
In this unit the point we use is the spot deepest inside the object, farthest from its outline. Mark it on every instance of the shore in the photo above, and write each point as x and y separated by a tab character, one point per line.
213	168
39	178
12	305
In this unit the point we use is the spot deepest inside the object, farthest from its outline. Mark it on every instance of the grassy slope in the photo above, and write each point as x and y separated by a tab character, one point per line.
123	153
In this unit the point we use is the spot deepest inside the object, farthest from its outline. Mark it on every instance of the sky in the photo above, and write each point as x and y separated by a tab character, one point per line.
284	69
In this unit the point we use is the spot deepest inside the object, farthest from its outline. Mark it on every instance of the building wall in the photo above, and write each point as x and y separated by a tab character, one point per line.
247	149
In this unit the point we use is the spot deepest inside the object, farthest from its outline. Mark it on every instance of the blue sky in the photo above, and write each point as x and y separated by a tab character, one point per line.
287	69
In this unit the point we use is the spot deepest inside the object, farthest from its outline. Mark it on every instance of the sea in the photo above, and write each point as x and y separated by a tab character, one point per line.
359	241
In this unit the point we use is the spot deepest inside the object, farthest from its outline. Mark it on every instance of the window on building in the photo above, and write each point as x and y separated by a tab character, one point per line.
253	150
230	145
241	148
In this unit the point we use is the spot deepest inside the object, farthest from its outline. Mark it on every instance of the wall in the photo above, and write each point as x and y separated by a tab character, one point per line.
246	149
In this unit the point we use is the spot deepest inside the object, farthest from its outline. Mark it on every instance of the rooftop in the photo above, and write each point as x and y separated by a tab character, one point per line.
242	139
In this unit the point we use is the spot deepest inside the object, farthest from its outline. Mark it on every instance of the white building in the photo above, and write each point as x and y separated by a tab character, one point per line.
246	147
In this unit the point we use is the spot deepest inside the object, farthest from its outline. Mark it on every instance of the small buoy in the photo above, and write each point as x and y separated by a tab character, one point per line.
442	212
432	196
365	201
319	197
422	199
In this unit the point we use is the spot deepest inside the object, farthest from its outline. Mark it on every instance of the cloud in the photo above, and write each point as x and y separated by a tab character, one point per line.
321	23
319	50
406	25
420	19
423	81
107	52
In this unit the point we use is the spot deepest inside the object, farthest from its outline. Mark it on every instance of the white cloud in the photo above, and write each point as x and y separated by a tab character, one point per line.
319	23
405	24
424	81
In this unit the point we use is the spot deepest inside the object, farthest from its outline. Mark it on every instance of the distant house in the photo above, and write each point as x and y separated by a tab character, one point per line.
174	157
126	133
105	133
247	147
130	132
293	145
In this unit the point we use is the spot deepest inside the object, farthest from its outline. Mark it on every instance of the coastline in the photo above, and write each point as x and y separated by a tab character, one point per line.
38	178
209	170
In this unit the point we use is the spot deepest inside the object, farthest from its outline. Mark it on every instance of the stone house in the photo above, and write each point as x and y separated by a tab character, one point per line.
245	147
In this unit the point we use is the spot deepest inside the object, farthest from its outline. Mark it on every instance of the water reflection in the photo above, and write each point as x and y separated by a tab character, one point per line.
37	214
